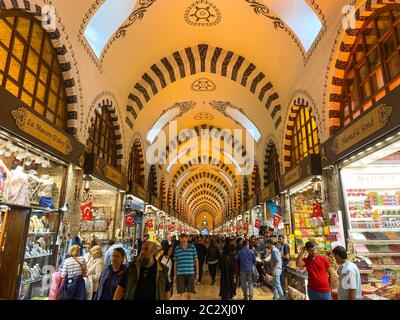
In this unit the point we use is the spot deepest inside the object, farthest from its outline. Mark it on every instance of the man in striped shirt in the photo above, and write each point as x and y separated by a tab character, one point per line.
186	267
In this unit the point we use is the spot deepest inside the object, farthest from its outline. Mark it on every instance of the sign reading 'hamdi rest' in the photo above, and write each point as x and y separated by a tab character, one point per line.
29	123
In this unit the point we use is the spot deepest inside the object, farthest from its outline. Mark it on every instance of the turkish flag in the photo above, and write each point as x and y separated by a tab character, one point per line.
246	227
87	212
257	223
277	219
129	220
161	226
317	211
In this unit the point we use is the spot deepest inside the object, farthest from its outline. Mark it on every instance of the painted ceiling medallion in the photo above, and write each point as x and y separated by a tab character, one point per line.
203	13
203	116
203	84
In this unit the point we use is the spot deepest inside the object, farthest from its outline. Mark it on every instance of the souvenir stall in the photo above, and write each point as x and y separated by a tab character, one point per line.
254	214
133	216
302	189
139	196
239	225
101	202
34	161
161	217
150	216
271	203
366	154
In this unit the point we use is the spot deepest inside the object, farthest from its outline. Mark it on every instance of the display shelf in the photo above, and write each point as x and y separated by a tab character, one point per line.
40	233
36	257
361	219
376	241
389	216
366	271
386	266
375	230
379	254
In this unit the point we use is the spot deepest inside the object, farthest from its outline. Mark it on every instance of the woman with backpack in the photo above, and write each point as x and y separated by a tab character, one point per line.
212	259
73	272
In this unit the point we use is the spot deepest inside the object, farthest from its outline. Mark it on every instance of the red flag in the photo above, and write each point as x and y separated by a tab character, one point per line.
257	223
129	220
246	227
277	219
87	212
161	226
317	211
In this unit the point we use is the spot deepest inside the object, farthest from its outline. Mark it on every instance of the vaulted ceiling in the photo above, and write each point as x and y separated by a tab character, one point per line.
204	62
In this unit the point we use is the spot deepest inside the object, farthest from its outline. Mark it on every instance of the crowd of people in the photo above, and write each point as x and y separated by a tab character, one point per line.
152	271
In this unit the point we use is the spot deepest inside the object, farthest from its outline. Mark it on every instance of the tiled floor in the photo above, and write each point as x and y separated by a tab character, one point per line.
205	291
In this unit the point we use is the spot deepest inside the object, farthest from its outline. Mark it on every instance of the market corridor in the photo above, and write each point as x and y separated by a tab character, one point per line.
206	291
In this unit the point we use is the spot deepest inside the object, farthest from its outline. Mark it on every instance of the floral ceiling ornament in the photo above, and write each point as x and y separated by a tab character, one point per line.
136	15
203	116
203	84
263	9
203	13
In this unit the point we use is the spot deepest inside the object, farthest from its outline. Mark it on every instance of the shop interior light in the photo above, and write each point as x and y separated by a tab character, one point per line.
86	182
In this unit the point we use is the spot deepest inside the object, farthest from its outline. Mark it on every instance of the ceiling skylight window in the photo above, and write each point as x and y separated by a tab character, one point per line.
299	16
106	21
245	122
226	178
161	122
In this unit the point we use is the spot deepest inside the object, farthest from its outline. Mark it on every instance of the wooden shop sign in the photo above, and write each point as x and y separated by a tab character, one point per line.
21	120
380	119
310	166
269	192
99	168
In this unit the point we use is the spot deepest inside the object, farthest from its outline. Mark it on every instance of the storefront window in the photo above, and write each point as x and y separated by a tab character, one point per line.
304	140
102	139
373	68
28	176
104	204
29	66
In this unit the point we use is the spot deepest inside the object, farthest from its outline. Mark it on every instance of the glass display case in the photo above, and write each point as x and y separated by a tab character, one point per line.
371	188
40	255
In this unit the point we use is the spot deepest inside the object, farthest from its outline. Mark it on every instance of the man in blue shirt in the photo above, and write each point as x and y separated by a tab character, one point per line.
276	270
349	276
247	260
186	267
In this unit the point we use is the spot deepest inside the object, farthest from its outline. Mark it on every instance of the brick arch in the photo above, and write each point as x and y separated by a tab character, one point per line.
163	191
198	59
206	175
205	186
205	196
136	167
271	145
197	161
64	59
246	190
287	142
152	181
213	131
212	205
255	180
342	53
109	104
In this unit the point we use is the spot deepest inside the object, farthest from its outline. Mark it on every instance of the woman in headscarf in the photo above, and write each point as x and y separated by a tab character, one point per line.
227	265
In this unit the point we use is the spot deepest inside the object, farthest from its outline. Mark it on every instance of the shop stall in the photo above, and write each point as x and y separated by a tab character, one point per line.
106	189
139	195
271	204
34	161
302	188
150	217
366	154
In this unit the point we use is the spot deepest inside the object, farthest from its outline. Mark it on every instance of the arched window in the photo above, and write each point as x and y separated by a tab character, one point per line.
256	183
304	139
273	166
152	182
136	165
102	139
29	66
373	68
